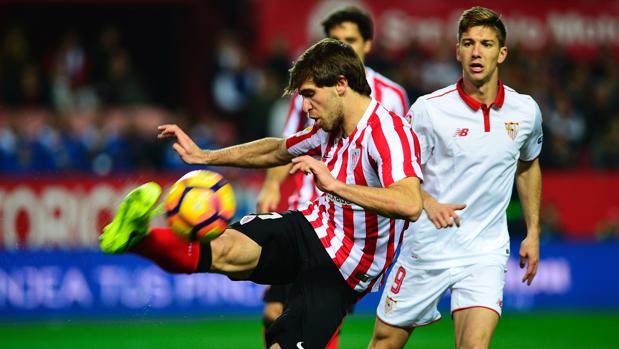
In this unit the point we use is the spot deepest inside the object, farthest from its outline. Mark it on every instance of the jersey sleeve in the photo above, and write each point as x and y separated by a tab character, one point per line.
296	119
419	118
393	148
533	144
306	142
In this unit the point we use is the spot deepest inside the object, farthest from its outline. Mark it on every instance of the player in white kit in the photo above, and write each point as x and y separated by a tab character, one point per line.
475	137
354	27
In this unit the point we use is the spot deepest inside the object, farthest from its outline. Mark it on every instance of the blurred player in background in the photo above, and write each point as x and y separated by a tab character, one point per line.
475	136
354	27
336	249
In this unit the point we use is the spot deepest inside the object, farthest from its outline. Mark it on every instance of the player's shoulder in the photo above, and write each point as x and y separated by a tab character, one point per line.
382	114
436	98
439	95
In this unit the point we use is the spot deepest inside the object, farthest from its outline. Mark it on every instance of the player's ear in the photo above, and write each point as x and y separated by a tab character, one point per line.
342	84
367	47
502	54
458	52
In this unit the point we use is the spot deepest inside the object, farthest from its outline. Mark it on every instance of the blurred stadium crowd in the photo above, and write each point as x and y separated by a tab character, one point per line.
85	108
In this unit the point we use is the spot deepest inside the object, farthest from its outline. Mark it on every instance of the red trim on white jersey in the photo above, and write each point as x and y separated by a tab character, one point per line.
475	105
464	163
391	95
443	94
379	152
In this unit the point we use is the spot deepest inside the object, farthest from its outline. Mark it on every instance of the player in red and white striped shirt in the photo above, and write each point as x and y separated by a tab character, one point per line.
362	157
354	27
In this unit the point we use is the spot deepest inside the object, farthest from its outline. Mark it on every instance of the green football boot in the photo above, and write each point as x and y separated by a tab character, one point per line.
132	219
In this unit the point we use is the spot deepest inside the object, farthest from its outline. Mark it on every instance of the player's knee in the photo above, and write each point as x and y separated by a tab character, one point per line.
388	337
472	346
234	254
480	341
380	339
220	250
271	312
379	343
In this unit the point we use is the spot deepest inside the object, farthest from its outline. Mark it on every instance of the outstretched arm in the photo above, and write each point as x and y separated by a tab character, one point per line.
529	185
401	199
266	152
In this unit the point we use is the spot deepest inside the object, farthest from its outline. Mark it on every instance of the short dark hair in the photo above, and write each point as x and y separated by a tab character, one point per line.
481	16
324	63
350	14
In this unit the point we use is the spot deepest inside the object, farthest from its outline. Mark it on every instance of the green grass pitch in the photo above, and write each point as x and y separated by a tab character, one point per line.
518	331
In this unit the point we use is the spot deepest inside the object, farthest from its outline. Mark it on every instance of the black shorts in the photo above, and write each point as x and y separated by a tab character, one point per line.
277	293
319	298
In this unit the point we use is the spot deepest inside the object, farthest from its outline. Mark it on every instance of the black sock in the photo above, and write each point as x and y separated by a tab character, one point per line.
206	258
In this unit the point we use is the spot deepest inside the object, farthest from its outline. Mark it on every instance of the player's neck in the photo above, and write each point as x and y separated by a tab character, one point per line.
355	106
485	93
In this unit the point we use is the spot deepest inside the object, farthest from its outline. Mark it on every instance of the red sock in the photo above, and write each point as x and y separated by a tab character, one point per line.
169	251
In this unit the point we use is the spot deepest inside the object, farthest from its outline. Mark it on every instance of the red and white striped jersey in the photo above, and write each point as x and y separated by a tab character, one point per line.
391	95
381	150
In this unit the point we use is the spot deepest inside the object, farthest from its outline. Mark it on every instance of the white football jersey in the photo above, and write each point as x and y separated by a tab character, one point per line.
469	154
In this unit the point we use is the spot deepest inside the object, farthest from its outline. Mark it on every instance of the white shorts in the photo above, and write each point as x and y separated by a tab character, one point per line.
411	295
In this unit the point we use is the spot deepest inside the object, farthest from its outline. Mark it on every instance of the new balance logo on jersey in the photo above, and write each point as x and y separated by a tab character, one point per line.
461	132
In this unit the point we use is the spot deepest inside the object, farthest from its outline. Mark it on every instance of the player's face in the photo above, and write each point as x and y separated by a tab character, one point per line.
480	54
322	104
348	32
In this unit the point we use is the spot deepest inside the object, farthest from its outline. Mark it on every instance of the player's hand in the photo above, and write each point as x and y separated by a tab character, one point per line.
184	146
529	257
443	215
322	176
268	198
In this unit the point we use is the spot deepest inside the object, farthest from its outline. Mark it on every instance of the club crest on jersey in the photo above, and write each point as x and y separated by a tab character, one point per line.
356	155
512	129
390	304
409	117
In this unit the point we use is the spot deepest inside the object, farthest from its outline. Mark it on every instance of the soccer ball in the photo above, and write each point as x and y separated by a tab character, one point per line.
200	205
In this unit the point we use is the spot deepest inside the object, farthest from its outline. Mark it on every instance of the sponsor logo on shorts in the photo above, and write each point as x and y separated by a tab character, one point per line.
390	304
247	219
500	303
